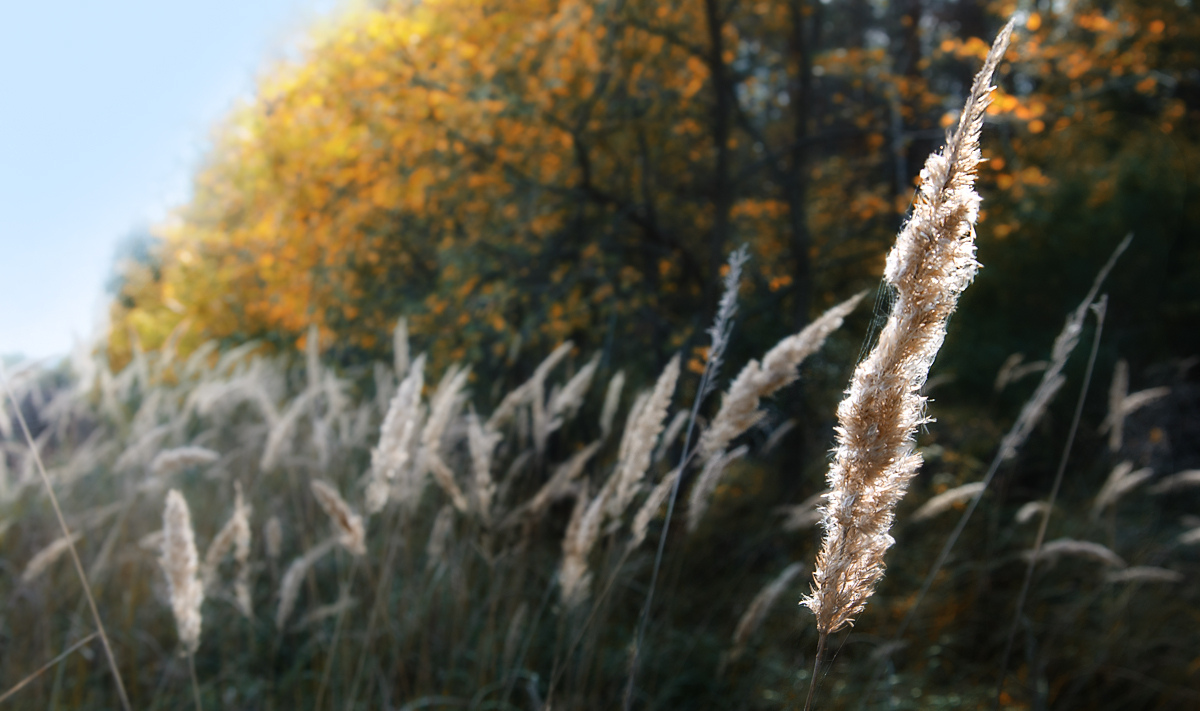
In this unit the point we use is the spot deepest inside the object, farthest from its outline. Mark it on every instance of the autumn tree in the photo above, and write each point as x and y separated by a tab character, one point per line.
514	174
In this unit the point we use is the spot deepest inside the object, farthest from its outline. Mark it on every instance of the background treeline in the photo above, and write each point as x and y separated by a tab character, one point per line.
509	175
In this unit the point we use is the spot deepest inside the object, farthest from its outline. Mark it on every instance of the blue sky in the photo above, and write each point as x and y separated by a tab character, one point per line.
107	108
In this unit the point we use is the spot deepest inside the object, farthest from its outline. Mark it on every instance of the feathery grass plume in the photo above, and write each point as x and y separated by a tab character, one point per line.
574	577
650	508
400	348
1030	509
439	537
670	435
1013	370
804	515
349	524
1121	481
1121	404
1054	550
531	390
181	564
46	557
483	488
931	264
706	484
137	454
946	500
777	435
282	429
273	537
170	461
565	402
637	444
152	541
612	400
1179	480
1189	538
235	532
1143	574
557	486
289	589
442	409
384	379
779	368
752	619
1052	378
397	436
241	555
324	612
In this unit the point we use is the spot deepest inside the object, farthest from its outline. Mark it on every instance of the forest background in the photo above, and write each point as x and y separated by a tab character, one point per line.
508	176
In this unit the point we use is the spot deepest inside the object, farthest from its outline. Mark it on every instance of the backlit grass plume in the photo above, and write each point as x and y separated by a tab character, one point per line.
931	263
181	563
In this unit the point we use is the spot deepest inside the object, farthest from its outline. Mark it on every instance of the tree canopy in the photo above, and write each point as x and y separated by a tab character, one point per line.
509	173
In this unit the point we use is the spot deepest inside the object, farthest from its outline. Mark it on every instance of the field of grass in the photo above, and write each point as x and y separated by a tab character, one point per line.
248	531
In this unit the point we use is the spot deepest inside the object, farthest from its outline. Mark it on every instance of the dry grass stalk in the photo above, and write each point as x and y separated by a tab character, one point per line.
241	553
777	435
483	488
1030	509
170	461
289	589
273	536
670	435
804	515
582	532
181	564
1053	378
283	428
235	532
1053	550
512	638
442	409
931	264
1121	481
1013	370
1122	404
324	612
752	619
1143	574
559	484
351	533
564	403
1180	480
650	508
397	436
46	557
779	368
528	392
439	537
612	400
946	500
702	490
637	444
400	348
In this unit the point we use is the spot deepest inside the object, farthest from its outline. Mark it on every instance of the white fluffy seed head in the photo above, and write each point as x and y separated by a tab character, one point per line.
181	564
349	525
932	262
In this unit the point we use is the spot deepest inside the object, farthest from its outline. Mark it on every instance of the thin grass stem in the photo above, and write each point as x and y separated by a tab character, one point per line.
1099	309
66	531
